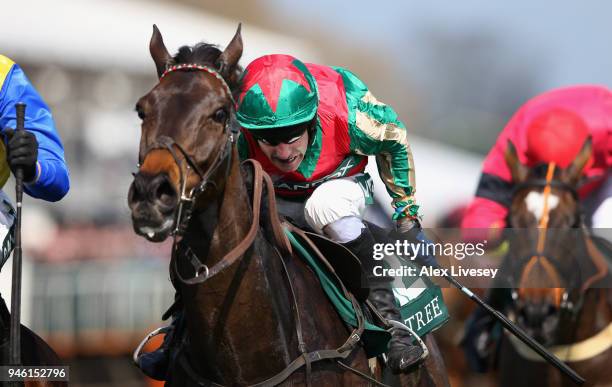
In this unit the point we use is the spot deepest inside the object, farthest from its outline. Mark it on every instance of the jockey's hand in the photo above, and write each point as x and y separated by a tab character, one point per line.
22	152
410	230
408	226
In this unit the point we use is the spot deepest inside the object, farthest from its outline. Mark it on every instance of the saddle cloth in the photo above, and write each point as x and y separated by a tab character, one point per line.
422	306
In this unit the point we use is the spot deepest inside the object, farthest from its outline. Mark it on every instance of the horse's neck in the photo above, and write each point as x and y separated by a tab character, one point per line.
596	312
247	303
225	221
595	305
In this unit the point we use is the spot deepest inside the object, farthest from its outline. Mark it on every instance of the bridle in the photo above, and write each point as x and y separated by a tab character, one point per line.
231	129
188	164
549	263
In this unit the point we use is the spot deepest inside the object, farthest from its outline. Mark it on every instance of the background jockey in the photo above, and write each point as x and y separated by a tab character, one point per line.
38	149
551	127
312	127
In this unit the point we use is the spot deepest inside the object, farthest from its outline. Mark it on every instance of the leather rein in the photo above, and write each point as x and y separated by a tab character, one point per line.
306	358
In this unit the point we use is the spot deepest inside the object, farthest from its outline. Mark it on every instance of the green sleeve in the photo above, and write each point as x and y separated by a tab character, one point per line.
375	130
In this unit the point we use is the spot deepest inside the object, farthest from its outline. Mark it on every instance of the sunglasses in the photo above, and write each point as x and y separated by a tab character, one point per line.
273	139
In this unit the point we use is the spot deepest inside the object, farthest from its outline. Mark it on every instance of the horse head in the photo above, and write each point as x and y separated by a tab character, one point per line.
548	263
186	137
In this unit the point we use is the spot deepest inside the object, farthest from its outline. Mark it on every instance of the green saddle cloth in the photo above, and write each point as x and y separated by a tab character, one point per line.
428	305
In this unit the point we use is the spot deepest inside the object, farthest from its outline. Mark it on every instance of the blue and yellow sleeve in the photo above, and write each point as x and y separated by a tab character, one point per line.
52	177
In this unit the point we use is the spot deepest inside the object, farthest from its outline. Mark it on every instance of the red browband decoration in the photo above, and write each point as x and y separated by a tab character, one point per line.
193	66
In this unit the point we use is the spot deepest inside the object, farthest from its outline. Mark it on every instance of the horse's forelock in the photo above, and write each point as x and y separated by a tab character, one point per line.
540	170
205	54
201	53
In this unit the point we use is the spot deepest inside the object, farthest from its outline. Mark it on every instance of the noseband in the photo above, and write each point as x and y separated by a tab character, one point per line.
188	199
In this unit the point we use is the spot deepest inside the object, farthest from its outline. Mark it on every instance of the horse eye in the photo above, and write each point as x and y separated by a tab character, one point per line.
220	115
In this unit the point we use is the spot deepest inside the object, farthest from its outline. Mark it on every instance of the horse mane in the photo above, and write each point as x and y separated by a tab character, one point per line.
207	54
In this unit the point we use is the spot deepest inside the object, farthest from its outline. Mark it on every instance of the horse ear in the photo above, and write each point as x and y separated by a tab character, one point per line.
518	170
159	52
574	171
230	57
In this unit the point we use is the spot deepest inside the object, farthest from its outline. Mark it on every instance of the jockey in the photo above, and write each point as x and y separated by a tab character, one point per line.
551	127
37	150
312	128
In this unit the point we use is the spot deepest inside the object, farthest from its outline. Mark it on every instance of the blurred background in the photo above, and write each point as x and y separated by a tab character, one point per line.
454	71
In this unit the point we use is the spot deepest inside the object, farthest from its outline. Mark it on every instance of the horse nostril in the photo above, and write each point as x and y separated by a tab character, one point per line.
534	315
157	190
134	195
165	194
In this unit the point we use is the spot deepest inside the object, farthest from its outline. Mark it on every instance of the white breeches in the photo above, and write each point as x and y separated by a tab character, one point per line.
335	209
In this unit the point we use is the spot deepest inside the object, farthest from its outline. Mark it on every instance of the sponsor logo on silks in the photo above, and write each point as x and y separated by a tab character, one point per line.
425	313
421	303
343	169
367	186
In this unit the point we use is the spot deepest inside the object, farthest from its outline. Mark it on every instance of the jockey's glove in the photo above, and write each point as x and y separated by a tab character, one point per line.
410	229
22	152
405	225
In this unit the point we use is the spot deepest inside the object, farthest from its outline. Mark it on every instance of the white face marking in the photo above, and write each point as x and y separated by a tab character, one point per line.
535	203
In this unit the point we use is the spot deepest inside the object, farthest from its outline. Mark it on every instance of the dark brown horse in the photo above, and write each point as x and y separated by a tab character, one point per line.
560	277
243	308
34	350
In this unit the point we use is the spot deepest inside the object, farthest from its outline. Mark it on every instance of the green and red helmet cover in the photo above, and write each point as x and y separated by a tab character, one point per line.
276	91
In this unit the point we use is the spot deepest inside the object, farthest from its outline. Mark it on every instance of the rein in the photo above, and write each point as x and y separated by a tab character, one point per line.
203	272
306	358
